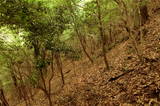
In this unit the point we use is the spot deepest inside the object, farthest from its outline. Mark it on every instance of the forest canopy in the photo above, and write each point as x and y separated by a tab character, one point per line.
38	36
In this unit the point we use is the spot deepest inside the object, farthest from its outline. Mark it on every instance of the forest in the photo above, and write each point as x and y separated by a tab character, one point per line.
79	52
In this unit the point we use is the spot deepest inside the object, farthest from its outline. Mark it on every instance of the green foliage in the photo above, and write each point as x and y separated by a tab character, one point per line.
74	55
11	51
111	10
33	79
35	26
40	64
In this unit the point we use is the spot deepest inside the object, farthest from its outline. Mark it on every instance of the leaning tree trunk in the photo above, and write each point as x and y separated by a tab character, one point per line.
83	46
3	98
79	34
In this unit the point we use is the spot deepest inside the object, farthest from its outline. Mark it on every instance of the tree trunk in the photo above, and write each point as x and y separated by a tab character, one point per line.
74	17
48	95
83	46
3	98
135	45
59	66
144	14
52	73
49	99
44	89
102	35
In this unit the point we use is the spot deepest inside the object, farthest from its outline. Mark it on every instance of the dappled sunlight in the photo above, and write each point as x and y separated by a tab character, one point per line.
79	52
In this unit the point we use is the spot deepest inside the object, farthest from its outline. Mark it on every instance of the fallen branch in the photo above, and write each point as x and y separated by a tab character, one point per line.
117	77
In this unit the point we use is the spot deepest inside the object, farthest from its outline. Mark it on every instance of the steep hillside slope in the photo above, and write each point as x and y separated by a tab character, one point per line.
129	82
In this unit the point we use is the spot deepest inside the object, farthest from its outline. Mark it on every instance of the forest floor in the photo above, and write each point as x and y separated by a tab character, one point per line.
129	82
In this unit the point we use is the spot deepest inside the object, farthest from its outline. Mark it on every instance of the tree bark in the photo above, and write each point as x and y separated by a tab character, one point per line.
101	29
74	16
59	66
144	14
83	46
3	98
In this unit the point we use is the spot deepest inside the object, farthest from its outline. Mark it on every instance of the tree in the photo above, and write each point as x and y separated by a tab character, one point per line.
76	21
101	30
130	17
